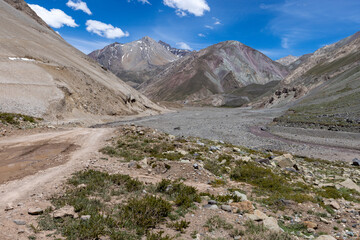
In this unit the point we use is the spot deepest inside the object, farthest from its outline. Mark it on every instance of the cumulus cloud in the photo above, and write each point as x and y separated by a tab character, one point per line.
105	30
196	7
79	5
183	45
54	18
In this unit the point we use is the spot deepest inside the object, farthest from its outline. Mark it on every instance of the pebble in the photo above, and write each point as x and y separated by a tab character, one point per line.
85	217
242	196
35	211
212	202
19	222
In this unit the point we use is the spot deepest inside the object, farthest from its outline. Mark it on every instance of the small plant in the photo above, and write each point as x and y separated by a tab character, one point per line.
158	236
216	222
144	213
180	226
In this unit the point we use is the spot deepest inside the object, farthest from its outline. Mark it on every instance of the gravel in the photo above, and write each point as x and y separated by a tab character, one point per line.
245	127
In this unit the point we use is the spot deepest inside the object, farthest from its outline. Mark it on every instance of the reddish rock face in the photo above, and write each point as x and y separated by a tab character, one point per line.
219	69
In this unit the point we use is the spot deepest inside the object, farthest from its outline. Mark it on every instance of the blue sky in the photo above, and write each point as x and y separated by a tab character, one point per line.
275	27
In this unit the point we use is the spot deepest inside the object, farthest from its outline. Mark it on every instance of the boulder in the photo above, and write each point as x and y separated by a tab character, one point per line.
285	161
256	216
243	207
348	183
325	237
226	208
272	224
356	162
311	225
67	211
240	195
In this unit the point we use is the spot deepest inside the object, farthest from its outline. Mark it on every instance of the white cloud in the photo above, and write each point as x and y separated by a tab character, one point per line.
209	27
183	45
142	1
105	30
196	7
201	35
79	5
54	18
217	21
285	43
85	45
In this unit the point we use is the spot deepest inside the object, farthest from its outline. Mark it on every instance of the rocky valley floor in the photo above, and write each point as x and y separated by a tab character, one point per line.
136	182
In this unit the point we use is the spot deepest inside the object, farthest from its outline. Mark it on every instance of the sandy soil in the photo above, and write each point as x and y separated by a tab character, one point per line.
242	126
38	154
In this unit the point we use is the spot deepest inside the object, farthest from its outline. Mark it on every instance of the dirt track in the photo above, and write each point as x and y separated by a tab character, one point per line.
41	158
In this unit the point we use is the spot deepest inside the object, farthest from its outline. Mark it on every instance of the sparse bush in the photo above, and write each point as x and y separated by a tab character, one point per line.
216	222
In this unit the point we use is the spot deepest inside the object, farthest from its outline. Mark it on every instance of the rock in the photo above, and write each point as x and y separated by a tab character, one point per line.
132	164
67	211
284	161
235	149
243	207
257	216
272	224
19	222
334	205
348	183
246	159
196	166
325	237
9	207
82	185
214	148
212	202
85	218
356	162
35	211
240	195
309	224
226	208
177	128
211	207
325	220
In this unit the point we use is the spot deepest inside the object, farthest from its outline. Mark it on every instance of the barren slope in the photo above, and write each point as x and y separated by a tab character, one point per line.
328	82
136	61
42	75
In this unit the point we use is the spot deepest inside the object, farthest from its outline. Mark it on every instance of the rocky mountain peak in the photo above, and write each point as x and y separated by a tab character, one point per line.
286	61
175	51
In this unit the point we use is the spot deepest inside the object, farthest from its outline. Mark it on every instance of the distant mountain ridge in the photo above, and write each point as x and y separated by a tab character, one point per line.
214	75
175	51
286	61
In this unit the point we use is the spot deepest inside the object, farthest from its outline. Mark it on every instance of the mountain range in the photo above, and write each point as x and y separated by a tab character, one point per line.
217	75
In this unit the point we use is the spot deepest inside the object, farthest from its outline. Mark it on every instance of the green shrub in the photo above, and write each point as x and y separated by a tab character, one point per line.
144	213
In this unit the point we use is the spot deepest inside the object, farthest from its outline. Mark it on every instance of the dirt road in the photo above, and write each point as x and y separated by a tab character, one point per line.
44	159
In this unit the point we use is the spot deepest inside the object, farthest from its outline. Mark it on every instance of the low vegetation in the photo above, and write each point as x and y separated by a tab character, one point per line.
16	119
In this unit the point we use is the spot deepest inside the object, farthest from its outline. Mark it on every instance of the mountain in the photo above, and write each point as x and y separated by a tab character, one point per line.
175	51
136	61
216	75
286	61
324	90
43	76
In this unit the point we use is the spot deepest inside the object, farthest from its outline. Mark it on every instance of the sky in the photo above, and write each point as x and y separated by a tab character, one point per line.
275	27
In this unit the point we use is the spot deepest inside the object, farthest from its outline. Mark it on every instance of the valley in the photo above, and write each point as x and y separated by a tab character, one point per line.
141	140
